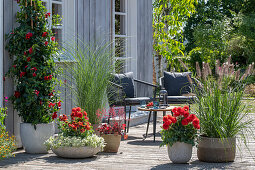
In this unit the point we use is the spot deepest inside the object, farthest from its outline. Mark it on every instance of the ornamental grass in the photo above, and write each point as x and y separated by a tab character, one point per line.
220	108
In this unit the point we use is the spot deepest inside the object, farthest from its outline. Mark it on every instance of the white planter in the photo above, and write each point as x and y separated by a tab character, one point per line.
180	152
32	140
76	152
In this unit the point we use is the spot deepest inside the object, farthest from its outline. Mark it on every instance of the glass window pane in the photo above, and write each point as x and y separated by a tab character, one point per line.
57	10
120	66
120	5
120	25
58	36
120	47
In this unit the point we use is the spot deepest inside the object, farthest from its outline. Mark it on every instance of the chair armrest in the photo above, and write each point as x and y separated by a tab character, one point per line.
161	81
144	82
116	85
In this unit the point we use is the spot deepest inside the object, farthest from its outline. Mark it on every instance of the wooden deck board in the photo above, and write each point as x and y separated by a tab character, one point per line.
134	153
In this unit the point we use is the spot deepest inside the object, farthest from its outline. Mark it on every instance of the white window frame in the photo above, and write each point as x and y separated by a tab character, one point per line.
114	35
68	20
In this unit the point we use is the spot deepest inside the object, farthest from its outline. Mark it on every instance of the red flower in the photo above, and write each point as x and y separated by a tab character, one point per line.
185	122
165	126
52	38
197	126
195	121
28	59
59	104
186	108
191	117
73	109
82	130
44	34
34	74
26	67
36	92
78	109
168	122
30	50
79	114
173	119
34	68
51	94
174	110
50	77
14	66
185	114
17	94
48	14
54	116
46	77
46	43
51	105
22	74
29	35
25	53
176	114
165	118
85	113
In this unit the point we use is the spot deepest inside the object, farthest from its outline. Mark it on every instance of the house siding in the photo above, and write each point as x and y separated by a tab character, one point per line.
92	23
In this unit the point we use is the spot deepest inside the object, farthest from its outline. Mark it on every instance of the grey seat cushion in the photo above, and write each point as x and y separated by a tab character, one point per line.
126	80
137	100
180	99
176	84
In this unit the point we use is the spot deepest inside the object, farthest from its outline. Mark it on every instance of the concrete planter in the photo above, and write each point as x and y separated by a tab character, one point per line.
76	152
33	139
112	142
180	152
221	150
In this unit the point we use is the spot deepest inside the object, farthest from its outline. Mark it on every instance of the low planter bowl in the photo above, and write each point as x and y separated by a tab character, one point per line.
76	152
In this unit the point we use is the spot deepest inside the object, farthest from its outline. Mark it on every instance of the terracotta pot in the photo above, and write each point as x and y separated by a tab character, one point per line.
33	139
180	152
76	152
112	142
216	149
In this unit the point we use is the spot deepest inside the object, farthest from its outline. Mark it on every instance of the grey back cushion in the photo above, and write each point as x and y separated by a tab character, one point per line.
126	80
176	84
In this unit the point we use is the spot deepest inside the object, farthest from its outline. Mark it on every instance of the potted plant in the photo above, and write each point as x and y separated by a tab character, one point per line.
179	133
113	130
32	45
76	138
90	73
221	112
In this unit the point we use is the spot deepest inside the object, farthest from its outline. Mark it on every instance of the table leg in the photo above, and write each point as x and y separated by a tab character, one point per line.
154	123
148	123
164	113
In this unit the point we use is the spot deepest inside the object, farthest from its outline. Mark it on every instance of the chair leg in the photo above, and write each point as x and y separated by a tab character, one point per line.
148	123
129	116
125	121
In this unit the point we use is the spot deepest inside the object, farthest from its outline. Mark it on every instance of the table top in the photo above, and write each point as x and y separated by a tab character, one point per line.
169	108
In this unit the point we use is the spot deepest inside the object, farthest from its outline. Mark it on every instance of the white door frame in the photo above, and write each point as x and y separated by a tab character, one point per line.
1	52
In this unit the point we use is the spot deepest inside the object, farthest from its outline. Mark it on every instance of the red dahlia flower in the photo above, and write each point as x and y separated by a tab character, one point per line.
46	43
28	59
29	35
185	114
165	126
44	34
52	38
186	108
185	122
17	94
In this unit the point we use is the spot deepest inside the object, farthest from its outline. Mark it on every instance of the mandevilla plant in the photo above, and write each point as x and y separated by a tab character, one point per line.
181	127
32	45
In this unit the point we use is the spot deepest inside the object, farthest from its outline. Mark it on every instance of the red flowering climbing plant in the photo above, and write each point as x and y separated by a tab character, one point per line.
179	127
32	47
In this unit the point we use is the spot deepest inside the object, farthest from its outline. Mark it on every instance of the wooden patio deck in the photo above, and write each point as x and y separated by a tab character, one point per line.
134	153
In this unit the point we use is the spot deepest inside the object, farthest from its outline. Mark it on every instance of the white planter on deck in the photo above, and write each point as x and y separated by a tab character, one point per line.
180	152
